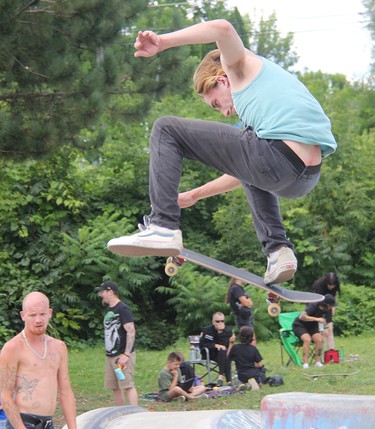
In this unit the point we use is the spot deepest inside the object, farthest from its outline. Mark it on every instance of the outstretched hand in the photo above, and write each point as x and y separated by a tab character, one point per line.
186	199
147	44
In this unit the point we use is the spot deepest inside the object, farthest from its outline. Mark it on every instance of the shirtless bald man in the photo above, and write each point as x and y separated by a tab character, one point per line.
33	368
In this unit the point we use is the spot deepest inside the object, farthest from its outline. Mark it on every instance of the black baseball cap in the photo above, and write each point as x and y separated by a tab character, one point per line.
329	300
108	285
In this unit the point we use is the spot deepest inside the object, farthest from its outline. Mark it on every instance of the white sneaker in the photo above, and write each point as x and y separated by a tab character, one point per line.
305	365
281	266
152	241
319	364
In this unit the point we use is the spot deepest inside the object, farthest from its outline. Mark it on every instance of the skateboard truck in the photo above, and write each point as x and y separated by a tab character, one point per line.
173	264
273	304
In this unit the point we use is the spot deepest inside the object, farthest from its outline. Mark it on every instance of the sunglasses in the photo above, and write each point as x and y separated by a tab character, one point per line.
219	321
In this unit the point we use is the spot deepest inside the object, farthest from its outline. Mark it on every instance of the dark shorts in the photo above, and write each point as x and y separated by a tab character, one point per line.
32	421
258	373
299	330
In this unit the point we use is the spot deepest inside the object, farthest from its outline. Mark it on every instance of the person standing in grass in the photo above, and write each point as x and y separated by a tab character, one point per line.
119	336
170	381
34	371
241	304
328	284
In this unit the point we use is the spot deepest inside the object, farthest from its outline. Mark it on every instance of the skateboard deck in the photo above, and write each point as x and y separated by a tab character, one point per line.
313	376
230	271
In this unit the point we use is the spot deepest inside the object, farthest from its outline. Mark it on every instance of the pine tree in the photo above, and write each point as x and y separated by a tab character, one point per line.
58	65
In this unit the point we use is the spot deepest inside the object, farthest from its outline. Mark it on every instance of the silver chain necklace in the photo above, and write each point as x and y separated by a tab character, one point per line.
35	352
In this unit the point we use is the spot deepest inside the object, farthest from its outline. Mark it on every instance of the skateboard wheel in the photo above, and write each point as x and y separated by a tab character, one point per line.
274	310
171	269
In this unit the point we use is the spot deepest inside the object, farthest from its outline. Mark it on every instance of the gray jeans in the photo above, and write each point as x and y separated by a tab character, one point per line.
263	169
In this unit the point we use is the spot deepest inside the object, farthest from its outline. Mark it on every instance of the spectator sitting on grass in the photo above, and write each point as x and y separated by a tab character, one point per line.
169	381
248	360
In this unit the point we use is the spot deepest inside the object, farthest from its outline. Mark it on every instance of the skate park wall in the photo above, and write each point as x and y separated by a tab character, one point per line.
294	410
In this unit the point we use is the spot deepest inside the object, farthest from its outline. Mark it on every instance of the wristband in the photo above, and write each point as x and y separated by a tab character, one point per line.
126	355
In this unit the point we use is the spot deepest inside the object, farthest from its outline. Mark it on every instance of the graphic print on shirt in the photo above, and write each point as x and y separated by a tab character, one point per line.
112	325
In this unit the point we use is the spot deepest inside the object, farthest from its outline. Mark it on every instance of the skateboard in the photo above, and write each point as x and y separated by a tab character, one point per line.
277	291
315	376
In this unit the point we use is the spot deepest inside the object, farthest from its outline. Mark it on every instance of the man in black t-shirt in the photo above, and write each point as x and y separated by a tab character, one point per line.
119	338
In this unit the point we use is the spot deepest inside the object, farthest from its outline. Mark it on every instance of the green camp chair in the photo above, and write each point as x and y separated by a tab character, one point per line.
288	341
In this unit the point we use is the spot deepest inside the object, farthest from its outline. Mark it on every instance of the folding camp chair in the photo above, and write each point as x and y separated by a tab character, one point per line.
204	366
289	342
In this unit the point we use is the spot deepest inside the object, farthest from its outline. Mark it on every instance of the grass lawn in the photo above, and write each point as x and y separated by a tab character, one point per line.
87	368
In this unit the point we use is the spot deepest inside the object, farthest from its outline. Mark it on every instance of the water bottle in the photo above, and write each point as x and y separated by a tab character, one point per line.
342	355
198	355
119	374
197	381
192	353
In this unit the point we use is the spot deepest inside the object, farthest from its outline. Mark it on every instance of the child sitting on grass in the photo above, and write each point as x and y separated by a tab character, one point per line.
248	360
169	381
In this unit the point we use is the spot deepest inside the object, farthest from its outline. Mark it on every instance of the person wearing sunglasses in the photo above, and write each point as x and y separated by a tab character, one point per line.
216	338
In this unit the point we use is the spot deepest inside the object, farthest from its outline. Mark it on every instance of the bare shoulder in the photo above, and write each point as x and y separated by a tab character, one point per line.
56	344
244	71
15	344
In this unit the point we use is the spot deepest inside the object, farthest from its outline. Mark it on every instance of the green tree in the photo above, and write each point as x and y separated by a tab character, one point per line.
57	65
370	24
267	42
263	38
64	64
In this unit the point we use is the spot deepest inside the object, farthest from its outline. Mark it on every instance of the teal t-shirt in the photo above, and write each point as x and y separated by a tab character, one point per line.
278	106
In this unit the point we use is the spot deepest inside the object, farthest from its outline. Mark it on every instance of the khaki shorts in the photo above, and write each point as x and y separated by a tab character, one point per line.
111	381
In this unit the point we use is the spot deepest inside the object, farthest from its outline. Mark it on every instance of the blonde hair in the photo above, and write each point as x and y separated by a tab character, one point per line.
206	73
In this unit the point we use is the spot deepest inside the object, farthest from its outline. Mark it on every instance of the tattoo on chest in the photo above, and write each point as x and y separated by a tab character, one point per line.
26	387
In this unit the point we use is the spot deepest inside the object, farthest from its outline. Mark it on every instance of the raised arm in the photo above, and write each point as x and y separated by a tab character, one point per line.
239	63
220	31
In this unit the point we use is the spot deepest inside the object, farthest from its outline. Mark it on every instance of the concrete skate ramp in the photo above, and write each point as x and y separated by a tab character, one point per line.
297	410
292	410
128	417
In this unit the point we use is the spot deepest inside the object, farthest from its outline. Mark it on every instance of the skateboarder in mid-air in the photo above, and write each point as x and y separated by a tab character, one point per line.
279	152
